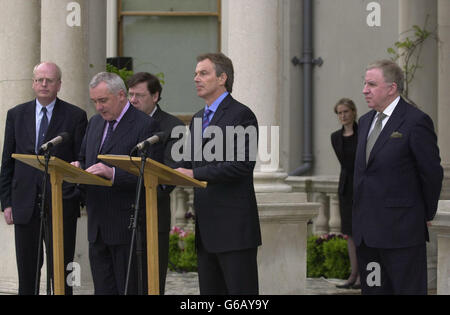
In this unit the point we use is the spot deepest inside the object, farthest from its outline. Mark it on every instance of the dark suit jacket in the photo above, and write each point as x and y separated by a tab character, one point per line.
166	122
338	146
345	153
397	192
19	183
109	208
226	211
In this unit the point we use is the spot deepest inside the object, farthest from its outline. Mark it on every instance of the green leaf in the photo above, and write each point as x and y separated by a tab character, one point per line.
391	51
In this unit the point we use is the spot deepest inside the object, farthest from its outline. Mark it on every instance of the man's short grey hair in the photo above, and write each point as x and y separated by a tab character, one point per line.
112	80
392	72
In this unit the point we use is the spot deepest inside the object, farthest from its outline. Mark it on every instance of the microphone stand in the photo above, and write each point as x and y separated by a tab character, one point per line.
137	235
44	234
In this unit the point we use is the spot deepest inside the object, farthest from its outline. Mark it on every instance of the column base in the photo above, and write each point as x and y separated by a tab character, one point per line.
271	182
282	256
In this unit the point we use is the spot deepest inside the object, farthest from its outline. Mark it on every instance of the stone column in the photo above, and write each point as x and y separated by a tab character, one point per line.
321	222
111	30
335	217
74	37
190	222
444	92
442	220
179	206
19	53
422	89
251	36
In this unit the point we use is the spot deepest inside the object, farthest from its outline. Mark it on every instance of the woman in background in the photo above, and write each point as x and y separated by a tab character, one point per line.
344	143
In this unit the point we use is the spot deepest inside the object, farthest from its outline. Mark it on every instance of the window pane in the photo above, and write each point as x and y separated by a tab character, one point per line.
170	45
170	5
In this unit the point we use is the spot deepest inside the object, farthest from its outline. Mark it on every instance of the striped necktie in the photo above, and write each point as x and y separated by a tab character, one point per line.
374	134
205	122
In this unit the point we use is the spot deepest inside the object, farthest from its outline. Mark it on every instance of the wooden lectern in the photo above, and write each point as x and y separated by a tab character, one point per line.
155	173
60	171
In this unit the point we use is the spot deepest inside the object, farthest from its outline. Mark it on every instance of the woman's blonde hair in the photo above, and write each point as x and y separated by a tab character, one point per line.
347	102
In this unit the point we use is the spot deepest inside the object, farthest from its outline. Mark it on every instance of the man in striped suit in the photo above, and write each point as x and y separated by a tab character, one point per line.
116	129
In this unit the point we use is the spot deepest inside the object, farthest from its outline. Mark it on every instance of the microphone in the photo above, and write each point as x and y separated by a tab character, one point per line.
61	138
157	137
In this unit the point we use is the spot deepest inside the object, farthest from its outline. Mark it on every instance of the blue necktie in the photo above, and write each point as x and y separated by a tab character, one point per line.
42	128
205	122
109	133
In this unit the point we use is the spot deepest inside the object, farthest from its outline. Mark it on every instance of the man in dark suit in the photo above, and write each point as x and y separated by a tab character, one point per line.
116	129
144	93
397	183
227	223
28	126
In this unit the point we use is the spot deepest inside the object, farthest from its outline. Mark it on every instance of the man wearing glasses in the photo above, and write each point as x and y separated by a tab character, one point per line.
27	127
144	93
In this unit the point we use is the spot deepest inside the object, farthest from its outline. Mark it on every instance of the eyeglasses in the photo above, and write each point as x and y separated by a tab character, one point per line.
46	80
136	95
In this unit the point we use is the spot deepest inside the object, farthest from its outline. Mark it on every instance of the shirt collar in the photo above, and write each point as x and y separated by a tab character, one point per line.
49	107
390	109
124	110
217	102
154	110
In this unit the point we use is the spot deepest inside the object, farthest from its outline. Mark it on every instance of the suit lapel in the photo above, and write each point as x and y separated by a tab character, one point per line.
394	122
97	135
56	121
121	130
218	115
157	113
220	112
